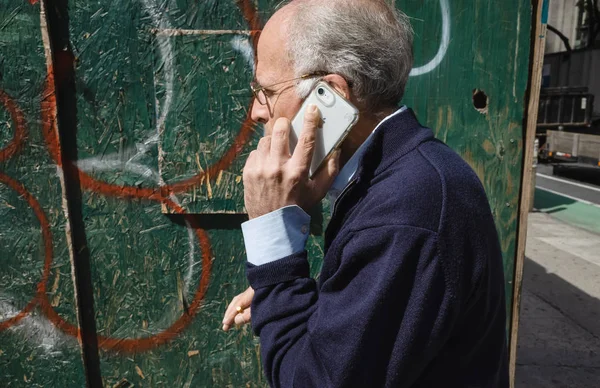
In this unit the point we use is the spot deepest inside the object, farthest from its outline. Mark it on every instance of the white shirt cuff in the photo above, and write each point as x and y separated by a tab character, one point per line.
276	235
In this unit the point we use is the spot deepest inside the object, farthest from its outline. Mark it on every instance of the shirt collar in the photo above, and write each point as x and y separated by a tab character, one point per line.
349	170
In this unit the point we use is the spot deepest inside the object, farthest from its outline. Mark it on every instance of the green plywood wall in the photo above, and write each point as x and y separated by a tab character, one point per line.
35	272
162	103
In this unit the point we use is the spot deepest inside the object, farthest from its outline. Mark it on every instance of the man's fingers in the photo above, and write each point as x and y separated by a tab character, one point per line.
230	313
245	298
264	145
243	301
239	319
324	178
280	139
242	319
304	151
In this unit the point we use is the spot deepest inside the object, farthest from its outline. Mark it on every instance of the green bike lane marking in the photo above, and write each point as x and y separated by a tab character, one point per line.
570	210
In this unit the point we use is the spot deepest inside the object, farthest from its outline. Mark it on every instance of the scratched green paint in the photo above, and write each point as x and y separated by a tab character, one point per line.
143	277
32	353
139	294
216	358
115	93
6	129
210	104
141	256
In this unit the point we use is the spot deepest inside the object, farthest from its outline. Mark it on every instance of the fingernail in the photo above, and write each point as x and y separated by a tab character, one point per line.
312	108
225	327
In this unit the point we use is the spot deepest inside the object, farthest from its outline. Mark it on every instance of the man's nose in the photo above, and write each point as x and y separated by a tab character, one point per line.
259	113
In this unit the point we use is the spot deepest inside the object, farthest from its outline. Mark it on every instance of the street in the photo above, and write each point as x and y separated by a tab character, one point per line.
571	182
559	331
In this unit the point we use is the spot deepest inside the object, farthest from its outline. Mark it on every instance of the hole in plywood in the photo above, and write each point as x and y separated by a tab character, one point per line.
480	101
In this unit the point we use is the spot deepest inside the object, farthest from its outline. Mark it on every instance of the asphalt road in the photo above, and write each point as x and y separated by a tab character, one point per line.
562	180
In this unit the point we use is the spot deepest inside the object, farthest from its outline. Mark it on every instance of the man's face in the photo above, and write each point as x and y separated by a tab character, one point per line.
272	68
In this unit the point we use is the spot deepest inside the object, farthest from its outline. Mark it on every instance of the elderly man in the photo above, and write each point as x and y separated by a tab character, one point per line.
411	291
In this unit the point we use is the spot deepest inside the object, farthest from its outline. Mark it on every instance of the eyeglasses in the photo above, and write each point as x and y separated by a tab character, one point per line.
260	92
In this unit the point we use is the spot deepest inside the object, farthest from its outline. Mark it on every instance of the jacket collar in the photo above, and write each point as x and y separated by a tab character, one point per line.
395	138
348	172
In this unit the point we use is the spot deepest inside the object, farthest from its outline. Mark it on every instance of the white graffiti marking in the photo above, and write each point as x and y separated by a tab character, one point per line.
37	330
129	160
244	47
435	62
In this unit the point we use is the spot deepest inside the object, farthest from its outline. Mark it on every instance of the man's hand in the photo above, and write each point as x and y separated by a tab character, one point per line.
274	179
232	316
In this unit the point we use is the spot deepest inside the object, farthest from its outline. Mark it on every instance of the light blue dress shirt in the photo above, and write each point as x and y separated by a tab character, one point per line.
284	232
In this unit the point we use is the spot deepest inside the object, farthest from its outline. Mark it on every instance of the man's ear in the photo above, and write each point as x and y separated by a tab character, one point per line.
340	84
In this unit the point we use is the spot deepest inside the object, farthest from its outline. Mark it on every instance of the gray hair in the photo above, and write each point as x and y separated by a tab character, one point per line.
368	42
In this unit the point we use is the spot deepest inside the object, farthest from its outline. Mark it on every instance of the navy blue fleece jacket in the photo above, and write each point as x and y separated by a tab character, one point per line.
411	292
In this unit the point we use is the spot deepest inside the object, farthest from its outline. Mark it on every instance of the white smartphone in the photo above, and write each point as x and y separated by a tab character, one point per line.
338	116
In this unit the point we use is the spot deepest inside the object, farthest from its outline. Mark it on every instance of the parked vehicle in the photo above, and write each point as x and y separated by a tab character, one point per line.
572	147
567	130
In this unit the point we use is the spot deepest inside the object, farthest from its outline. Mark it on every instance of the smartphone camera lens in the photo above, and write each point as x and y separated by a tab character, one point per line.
321	91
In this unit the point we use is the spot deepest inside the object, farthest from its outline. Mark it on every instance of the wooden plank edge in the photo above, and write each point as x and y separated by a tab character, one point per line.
54	19
535	81
184	32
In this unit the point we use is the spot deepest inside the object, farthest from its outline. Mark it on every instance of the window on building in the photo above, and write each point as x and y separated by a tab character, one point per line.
587	23
583	22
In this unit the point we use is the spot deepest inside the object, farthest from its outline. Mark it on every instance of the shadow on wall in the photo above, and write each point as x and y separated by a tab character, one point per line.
227	221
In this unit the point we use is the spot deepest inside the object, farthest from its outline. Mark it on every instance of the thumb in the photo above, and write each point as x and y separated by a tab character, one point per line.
325	177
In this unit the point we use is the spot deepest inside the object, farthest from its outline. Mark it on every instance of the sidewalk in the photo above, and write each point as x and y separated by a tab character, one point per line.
559	331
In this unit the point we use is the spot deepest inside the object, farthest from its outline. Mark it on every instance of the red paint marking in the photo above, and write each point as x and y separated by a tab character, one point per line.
249	11
18	120
32	2
154	193
223	164
48	251
133	345
159	194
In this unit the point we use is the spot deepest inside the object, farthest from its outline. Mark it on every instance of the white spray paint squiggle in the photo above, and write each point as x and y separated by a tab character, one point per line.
243	46
37	330
115	162
439	57
166	52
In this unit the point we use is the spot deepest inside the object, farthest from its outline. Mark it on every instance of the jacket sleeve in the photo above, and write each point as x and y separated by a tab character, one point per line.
380	316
